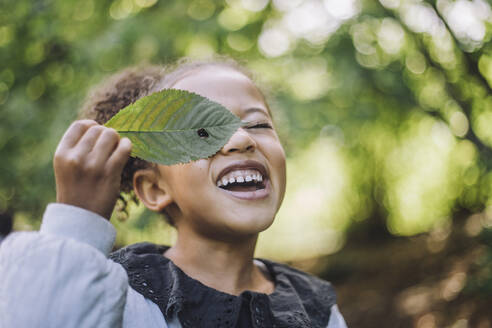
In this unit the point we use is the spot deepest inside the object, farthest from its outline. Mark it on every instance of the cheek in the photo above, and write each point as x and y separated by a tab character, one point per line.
189	172
188	180
278	163
281	167
276	156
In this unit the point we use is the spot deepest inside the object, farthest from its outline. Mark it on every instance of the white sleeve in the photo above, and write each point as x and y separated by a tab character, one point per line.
60	276
142	312
336	318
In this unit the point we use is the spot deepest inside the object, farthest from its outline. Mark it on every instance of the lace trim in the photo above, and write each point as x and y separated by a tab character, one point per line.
299	300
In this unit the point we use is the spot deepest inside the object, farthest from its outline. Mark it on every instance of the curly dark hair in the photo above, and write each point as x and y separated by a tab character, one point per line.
131	84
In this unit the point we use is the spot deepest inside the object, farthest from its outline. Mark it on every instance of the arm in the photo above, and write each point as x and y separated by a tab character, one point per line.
61	277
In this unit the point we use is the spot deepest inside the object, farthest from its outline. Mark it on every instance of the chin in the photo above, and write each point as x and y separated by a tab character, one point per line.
250	224
232	225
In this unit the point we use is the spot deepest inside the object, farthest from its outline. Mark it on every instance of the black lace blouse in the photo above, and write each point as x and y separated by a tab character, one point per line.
299	299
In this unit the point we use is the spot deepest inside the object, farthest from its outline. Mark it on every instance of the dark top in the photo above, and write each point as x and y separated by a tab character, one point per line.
299	299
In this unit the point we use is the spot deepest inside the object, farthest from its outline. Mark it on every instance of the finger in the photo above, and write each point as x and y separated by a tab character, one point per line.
120	156
88	140
75	131
105	145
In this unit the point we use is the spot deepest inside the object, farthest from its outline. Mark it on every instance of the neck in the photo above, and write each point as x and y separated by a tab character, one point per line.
222	265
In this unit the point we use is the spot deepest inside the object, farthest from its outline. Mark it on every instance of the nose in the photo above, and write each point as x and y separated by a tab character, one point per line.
240	142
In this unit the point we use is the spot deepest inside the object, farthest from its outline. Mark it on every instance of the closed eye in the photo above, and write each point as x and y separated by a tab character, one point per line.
260	126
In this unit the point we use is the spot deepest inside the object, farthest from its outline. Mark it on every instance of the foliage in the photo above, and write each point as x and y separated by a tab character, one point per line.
405	102
388	101
175	126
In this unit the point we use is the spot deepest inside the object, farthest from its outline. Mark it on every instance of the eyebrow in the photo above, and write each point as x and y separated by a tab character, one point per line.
255	109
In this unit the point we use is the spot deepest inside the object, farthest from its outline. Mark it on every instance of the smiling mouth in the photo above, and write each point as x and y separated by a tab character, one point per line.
242	181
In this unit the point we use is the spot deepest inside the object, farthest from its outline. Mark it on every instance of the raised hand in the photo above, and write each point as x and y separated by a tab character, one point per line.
88	163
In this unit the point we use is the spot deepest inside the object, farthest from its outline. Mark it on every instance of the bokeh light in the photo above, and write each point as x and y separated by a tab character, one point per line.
384	109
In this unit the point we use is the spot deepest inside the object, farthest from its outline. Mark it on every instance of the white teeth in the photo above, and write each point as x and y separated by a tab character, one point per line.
240	176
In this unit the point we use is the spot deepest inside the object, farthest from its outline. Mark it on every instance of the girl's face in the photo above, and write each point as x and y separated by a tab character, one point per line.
238	191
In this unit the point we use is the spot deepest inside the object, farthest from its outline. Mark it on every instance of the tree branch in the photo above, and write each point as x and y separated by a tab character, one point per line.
484	150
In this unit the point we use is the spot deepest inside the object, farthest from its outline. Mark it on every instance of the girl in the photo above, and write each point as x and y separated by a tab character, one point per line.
61	277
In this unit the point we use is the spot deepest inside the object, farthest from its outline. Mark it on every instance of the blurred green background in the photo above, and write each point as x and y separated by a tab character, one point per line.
384	108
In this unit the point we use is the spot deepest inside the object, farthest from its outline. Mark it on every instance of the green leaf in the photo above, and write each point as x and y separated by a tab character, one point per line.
175	126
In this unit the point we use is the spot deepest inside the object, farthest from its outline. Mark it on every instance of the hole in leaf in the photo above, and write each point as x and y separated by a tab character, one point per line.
202	133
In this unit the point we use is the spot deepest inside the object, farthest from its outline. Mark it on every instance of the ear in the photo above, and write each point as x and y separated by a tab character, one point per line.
151	190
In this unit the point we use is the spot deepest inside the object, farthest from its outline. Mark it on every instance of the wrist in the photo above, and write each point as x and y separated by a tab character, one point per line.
88	206
79	224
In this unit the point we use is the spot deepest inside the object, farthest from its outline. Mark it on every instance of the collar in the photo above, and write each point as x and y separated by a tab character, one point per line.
299	299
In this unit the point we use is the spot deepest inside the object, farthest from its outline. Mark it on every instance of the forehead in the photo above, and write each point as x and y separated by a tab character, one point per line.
224	85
